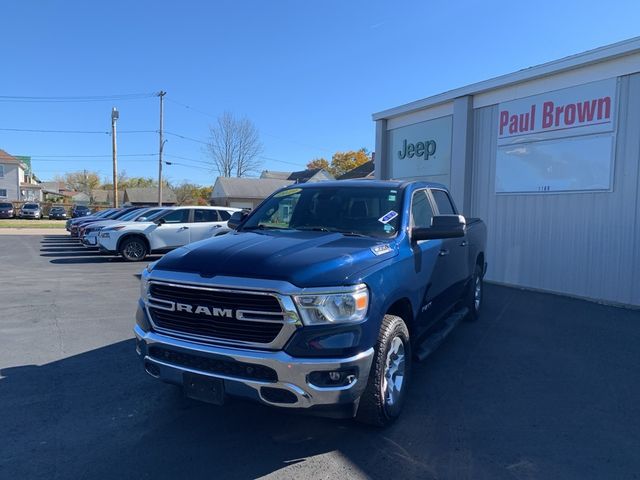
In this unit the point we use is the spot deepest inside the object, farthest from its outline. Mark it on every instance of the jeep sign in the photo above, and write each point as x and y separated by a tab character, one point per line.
422	150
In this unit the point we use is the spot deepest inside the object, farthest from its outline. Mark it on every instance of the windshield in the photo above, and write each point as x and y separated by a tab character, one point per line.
81	208
30	206
133	214
151	214
6	205
371	211
103	213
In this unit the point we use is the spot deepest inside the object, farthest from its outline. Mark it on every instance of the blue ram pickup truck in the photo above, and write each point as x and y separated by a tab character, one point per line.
318	300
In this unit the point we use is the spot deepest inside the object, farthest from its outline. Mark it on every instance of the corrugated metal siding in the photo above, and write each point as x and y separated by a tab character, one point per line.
583	244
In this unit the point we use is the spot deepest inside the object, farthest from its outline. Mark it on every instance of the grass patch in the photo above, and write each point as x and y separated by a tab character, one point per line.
24	223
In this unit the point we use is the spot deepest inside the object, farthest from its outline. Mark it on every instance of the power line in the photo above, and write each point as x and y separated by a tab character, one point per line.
92	156
186	138
75	99
207	114
33	130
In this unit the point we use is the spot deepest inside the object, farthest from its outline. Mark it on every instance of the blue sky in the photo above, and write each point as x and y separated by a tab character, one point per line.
309	74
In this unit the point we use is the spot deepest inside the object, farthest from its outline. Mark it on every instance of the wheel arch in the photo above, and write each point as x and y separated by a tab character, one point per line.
132	235
403	309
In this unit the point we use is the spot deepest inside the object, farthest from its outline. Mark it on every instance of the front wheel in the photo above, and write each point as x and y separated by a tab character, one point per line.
133	249
383	398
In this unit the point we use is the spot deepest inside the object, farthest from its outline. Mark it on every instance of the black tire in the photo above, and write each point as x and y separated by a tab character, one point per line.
133	249
375	407
475	297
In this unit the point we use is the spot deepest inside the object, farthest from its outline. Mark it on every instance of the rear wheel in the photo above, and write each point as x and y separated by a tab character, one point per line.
475	295
133	249
383	398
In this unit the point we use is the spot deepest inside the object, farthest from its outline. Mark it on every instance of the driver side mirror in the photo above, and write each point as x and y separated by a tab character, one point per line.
160	221
237	218
442	226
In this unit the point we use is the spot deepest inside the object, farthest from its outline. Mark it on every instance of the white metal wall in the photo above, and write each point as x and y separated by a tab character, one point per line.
584	244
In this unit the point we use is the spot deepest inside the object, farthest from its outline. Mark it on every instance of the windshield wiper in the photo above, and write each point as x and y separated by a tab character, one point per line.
261	227
314	229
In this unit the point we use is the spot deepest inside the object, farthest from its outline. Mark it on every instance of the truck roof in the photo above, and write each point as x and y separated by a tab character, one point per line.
400	184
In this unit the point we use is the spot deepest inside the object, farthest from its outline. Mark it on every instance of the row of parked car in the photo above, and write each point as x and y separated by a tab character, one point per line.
135	232
35	211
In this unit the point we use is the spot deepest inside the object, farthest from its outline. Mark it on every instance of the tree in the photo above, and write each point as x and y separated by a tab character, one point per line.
234	146
191	194
319	163
341	162
80	181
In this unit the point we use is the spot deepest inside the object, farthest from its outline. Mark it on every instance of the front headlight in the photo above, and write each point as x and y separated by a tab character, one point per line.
144	284
348	306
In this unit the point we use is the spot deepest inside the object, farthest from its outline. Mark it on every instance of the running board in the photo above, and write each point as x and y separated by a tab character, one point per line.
429	344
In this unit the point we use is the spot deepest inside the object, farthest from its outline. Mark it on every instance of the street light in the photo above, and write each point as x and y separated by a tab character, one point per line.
115	115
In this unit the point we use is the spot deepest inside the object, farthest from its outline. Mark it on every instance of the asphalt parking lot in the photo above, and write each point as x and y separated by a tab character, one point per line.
541	387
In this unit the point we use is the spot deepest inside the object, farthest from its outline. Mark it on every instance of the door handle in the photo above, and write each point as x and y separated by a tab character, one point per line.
464	243
183	228
443	252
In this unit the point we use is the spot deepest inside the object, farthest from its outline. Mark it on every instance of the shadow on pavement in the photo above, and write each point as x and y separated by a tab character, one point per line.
98	415
541	387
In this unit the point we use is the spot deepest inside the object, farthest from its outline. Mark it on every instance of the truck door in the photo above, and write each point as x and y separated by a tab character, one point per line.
455	252
430	268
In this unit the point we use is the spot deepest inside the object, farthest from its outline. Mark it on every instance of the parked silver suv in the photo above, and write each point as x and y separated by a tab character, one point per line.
30	210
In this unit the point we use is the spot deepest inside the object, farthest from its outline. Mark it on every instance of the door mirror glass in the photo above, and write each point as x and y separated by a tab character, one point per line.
237	218
442	226
160	221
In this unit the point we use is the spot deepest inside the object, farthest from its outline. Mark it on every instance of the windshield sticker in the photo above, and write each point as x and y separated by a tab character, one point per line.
392	198
286	193
381	249
387	217
388	228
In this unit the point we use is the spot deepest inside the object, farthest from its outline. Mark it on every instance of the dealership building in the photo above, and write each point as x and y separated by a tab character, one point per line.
548	157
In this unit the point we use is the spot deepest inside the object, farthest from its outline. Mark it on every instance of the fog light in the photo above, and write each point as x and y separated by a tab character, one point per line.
334	378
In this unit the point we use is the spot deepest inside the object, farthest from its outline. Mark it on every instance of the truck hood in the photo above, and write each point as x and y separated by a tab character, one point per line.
304	259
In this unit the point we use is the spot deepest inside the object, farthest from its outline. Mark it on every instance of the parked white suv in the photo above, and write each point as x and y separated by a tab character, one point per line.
175	228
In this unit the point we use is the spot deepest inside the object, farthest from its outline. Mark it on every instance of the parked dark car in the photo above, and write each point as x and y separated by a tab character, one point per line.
30	210
7	210
80	211
57	213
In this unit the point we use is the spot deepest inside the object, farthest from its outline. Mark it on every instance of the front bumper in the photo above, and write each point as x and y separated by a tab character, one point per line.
90	240
6	214
292	373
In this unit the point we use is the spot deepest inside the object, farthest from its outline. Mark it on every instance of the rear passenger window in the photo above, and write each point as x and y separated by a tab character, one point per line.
421	212
201	215
177	216
224	215
445	207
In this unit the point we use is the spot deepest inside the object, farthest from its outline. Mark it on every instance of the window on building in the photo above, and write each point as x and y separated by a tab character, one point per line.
421	211
445	206
3	192
1	171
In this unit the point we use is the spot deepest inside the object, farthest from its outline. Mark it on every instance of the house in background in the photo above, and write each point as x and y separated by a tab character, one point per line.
244	192
17	183
302	176
147	196
361	172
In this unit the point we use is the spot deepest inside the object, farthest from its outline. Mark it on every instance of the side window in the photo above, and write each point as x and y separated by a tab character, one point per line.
421	211
201	215
177	216
445	206
224	215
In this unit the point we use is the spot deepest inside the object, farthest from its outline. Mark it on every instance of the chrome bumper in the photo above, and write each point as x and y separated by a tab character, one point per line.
292	372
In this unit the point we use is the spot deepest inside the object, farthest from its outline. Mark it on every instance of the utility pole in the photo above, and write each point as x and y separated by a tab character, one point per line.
114	147
161	95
